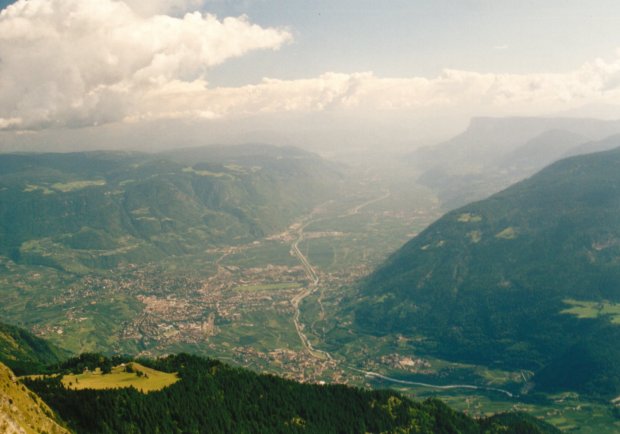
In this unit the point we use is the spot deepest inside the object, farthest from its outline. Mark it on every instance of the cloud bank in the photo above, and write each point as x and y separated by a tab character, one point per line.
467	92
164	7
85	62
72	63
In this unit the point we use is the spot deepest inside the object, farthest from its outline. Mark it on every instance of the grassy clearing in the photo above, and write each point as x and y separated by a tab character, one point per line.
321	252
149	381
237	168
77	185
264	330
368	247
32	187
570	414
469	218
205	172
346	224
593	309
475	236
268	252
507	234
269	287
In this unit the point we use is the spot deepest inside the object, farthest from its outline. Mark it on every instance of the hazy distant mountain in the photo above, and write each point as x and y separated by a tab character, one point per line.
494	153
246	154
542	150
596	146
528	278
82	210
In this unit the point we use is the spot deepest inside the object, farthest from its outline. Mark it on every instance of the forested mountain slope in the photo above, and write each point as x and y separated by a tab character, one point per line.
81	211
25	353
528	278
212	397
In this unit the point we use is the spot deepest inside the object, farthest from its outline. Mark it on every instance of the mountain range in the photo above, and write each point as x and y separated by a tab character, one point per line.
82	211
526	279
493	153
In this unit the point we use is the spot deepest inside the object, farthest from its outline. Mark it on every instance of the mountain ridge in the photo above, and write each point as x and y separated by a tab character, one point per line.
82	211
26	353
214	397
493	282
493	153
21	411
206	395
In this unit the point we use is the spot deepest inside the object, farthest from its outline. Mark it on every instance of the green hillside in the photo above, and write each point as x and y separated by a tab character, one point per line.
526	279
212	397
83	211
24	352
21	411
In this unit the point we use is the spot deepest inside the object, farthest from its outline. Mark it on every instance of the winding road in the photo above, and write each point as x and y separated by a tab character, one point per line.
313	286
296	301
313	275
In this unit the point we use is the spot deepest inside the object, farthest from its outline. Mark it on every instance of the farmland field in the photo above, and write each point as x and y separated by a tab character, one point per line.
593	309
141	378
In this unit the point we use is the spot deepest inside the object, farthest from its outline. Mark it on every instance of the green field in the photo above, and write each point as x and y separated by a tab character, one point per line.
87	309
263	330
364	239
260	255
593	309
149	381
77	185
567	412
268	287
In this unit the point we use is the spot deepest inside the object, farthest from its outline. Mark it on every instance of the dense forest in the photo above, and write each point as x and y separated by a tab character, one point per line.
213	397
92	210
25	353
525	279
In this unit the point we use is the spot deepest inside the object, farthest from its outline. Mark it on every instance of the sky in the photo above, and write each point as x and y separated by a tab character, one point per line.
324	74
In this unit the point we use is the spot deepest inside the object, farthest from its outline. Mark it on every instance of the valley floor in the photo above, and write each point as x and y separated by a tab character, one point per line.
268	306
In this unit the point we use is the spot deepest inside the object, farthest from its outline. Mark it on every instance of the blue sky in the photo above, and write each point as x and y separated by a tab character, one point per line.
421	37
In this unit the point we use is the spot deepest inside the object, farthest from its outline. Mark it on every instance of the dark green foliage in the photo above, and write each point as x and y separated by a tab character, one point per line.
516	423
93	210
89	361
572	369
25	353
487	283
212	398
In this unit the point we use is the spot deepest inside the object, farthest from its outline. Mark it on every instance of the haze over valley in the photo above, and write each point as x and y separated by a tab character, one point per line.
221	216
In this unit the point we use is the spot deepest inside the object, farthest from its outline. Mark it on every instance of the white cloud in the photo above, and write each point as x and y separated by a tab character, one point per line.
458	91
67	63
84	62
164	7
